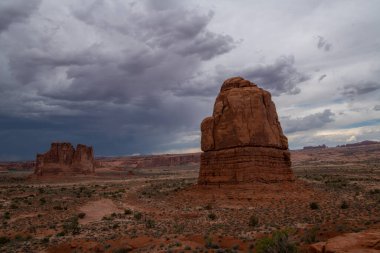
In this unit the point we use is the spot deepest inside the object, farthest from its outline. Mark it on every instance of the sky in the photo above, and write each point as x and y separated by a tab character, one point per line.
138	77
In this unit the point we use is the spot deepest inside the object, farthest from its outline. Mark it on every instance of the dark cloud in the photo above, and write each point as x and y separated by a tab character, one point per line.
321	77
354	90
121	90
323	44
280	77
161	50
316	120
12	11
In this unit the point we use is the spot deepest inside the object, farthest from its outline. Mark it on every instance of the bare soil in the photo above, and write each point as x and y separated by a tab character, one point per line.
162	209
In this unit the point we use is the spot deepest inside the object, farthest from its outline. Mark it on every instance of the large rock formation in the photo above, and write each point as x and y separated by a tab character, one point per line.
62	158
243	140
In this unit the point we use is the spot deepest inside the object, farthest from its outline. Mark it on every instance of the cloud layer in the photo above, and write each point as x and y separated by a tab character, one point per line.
138	77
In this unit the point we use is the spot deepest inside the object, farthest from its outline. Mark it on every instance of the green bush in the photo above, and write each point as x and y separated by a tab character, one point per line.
71	225
314	206
81	215
45	240
212	216
42	201
344	205
310	235
150	223
4	240
121	250
6	215
127	211
14	206
278	243
60	234
253	221
137	216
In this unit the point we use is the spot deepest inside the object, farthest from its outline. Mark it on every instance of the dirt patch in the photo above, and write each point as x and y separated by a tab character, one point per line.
96	210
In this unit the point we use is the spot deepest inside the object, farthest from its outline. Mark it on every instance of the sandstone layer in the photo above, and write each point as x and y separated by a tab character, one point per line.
365	242
62	158
243	140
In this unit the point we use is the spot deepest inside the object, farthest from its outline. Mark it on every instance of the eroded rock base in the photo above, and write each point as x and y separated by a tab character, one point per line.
245	164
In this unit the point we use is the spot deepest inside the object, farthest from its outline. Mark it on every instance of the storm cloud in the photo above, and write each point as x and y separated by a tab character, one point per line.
122	80
312	121
362	88
16	11
139	76
323	44
280	77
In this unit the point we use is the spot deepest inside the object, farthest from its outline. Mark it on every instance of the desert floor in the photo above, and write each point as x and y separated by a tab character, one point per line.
163	209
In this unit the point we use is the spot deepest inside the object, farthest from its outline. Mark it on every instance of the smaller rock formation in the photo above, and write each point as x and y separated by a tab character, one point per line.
62	158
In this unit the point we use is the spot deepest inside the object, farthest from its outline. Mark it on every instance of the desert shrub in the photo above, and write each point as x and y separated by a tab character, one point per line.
179	228
42	201
314	205
57	207
137	216
208	207
127	211
310	235
121	250
212	216
209	244
45	240
71	225
22	238
60	234
4	240
150	223
278	243
81	215
344	205
6	215
253	221
107	217
374	191
14	206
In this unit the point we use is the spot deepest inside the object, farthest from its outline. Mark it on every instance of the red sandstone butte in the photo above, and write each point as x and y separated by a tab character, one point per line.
243	140
62	158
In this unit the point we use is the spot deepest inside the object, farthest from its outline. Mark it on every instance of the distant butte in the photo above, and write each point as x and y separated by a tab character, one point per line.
62	158
243	140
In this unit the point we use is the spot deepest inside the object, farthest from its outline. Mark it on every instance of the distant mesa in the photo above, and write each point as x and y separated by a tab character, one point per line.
315	147
243	140
62	158
357	144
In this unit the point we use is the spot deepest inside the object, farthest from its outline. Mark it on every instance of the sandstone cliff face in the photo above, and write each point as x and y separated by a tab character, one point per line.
63	158
243	140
